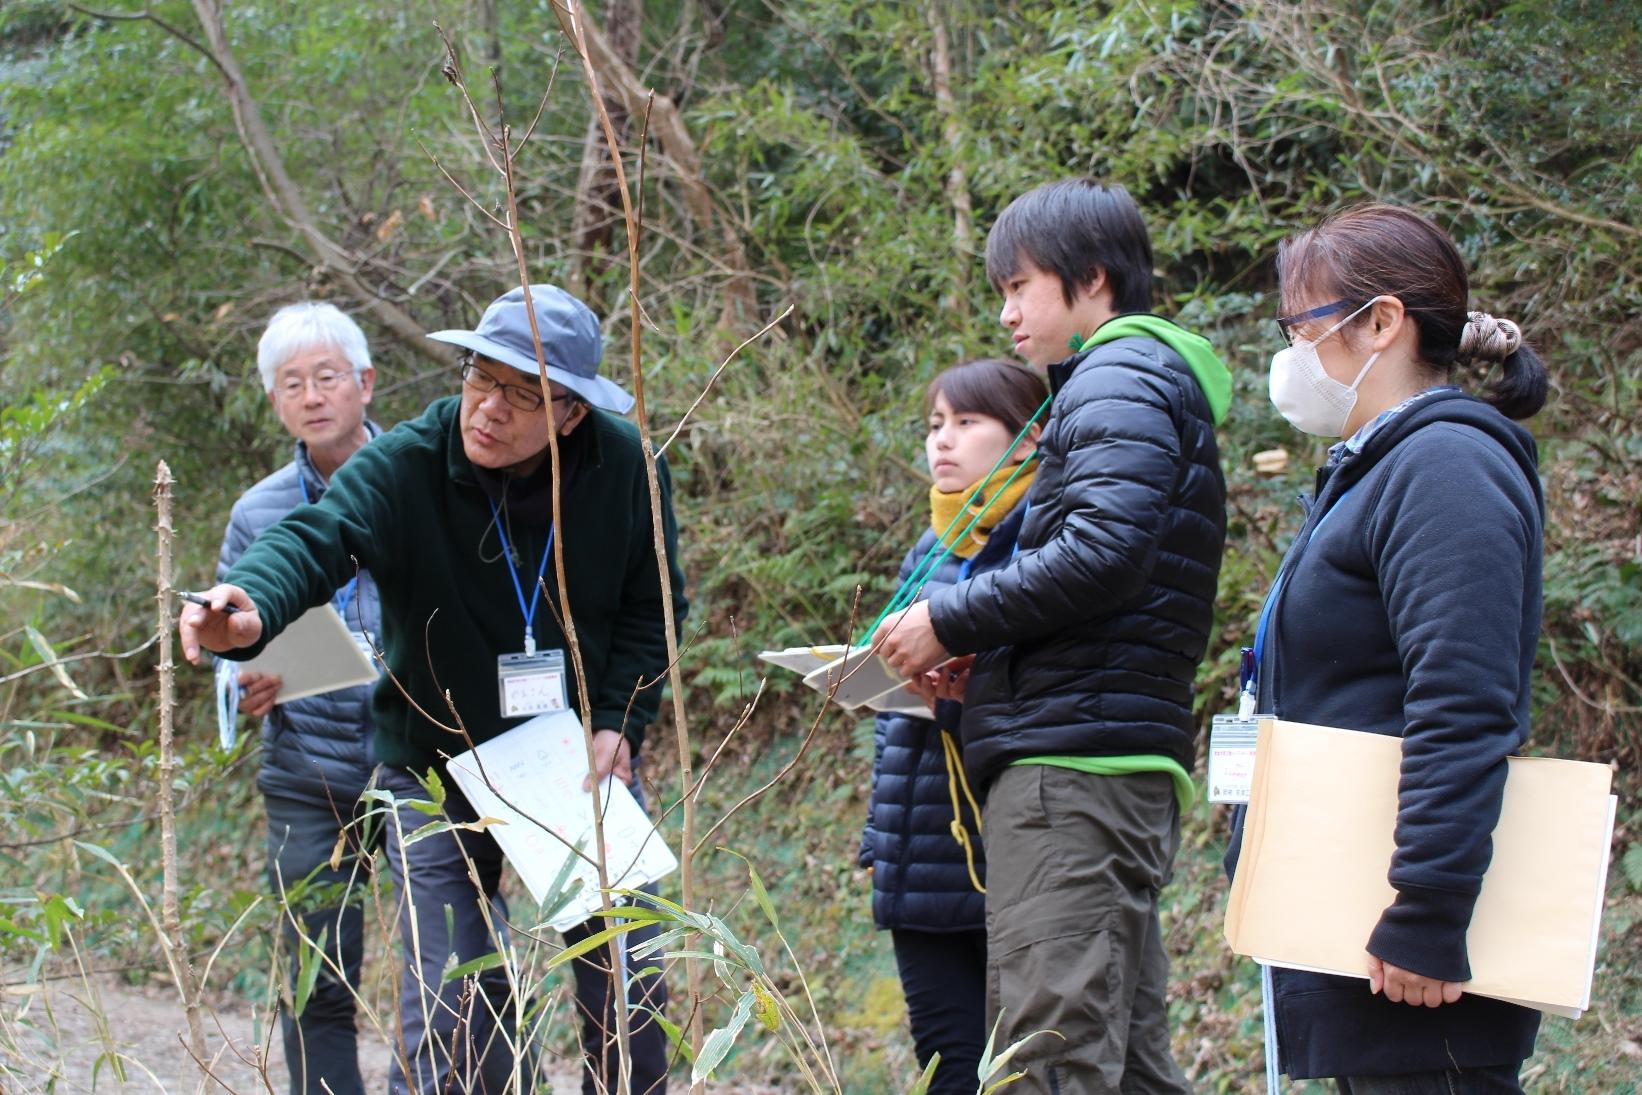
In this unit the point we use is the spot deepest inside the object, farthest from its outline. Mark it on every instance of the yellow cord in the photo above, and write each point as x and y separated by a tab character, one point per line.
955	778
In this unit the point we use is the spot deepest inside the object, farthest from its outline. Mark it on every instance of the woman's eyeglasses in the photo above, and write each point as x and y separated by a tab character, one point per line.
1286	324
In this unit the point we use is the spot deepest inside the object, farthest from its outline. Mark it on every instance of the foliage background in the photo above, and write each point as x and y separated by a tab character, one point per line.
142	258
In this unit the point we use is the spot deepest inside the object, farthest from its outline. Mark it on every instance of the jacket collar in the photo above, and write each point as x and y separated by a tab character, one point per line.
1445	405
314	485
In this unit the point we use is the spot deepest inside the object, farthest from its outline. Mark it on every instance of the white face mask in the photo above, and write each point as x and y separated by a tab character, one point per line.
1311	400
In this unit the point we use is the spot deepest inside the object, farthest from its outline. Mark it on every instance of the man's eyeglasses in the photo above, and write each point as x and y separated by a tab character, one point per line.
1286	324
294	387
525	399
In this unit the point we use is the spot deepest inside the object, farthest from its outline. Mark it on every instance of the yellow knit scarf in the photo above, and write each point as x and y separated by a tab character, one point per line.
993	504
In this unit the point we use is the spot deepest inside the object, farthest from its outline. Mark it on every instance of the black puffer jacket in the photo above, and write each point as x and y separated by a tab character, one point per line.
1090	638
920	877
317	749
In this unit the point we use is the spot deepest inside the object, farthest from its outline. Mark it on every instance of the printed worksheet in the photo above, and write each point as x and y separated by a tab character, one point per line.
530	780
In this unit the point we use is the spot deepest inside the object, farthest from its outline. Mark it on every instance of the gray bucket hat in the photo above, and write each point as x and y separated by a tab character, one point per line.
571	342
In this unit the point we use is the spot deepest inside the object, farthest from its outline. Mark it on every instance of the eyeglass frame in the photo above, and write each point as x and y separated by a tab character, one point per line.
323	380
1286	324
467	367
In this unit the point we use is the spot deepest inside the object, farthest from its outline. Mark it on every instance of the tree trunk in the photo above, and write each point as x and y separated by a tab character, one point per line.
679	153
957	179
287	200
597	208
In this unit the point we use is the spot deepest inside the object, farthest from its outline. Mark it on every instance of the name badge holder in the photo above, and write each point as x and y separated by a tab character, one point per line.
1231	758
531	684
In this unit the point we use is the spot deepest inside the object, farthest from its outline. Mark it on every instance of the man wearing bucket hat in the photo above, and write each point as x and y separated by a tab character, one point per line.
452	514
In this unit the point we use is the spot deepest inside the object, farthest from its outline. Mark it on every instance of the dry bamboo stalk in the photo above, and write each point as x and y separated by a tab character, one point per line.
172	940
577	29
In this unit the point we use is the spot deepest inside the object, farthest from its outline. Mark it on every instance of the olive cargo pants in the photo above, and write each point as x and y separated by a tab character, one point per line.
1074	865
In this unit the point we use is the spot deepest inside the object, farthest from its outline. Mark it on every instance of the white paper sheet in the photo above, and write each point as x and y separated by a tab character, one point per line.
530	778
315	654
852	676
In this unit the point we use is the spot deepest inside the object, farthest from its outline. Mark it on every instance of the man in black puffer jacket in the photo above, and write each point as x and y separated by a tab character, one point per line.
316	752
1078	709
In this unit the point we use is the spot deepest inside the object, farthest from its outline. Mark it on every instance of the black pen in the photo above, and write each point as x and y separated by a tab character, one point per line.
199	599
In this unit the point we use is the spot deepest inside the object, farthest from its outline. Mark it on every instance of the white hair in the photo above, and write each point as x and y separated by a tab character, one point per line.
309	325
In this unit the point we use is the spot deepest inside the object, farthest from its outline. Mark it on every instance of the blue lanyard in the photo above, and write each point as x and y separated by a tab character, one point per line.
1277	589
342	598
513	572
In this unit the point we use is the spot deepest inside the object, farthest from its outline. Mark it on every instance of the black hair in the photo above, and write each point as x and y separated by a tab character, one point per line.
1076	228
997	389
1373	250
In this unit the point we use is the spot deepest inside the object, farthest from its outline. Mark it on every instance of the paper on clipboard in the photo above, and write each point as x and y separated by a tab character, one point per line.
1318	840
315	654
530	779
852	677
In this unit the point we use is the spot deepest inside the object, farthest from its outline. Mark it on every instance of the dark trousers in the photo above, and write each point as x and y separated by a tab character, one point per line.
943	975
1496	1080
321	1049
461	1036
1074	863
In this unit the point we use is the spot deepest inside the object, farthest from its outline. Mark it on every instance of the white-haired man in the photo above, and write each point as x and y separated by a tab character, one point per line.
454	513
316	752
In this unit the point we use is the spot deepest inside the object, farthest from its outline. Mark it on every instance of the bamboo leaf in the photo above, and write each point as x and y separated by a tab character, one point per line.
718	1044
48	657
472	966
310	958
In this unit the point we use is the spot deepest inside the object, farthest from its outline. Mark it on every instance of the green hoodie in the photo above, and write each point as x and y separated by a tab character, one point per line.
1212	376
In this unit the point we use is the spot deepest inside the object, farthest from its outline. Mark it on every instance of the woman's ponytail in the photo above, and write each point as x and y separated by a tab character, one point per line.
1523	383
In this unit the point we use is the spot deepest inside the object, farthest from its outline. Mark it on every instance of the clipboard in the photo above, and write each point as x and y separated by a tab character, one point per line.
1317	845
315	654
852	675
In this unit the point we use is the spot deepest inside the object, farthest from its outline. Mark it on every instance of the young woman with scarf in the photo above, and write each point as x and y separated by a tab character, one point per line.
922	840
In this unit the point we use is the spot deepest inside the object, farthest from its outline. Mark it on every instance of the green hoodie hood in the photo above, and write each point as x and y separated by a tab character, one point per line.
1212	376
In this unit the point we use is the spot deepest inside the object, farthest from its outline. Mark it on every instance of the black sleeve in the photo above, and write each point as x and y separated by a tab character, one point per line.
1117	430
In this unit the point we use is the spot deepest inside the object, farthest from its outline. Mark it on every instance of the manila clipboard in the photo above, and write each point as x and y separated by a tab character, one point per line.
315	654
1317	845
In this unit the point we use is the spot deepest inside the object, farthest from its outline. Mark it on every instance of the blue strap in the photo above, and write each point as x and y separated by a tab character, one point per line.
1277	590
512	572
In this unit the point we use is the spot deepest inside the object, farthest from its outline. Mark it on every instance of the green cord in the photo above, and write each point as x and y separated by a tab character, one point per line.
921	574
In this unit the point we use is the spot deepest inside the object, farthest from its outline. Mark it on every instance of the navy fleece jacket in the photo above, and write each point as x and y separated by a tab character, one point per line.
1410	607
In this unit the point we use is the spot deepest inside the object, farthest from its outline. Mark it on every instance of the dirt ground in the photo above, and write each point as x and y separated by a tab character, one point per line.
66	1039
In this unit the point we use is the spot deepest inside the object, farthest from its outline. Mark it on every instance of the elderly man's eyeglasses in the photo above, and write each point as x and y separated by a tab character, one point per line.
326	380
1286	324
525	399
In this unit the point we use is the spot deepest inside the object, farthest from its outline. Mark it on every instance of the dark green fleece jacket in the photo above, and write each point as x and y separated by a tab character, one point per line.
410	508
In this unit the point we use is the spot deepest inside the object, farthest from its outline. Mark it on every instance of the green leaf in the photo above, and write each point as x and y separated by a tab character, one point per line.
921	1086
48	656
1631	864
310	959
718	1044
681	1044
591	943
474	965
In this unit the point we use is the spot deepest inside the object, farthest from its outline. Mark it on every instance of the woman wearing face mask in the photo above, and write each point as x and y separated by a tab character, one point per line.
922	839
1408	605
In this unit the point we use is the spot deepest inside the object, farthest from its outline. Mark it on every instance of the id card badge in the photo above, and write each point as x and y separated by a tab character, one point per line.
1232	740
531	684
